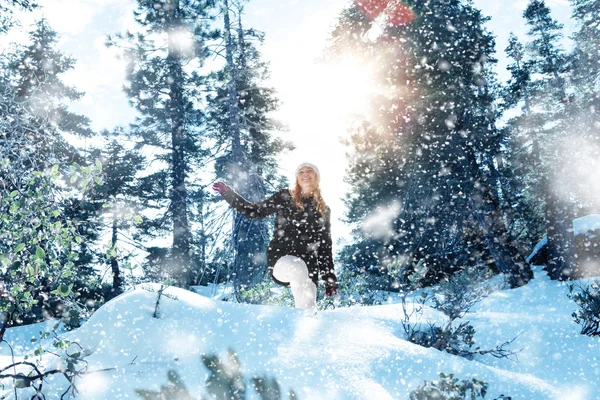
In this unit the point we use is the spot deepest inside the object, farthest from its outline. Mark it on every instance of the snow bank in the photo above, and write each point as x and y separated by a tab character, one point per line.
581	226
356	353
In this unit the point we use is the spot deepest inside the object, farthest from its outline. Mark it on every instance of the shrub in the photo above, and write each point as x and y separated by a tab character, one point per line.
225	382
407	277
353	289
450	388
460	293
455	298
263	293
38	246
587	297
64	357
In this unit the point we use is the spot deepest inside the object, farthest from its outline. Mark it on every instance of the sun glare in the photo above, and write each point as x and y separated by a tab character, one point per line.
331	94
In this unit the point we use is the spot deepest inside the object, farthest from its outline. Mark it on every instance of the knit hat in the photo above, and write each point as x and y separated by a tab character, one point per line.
307	164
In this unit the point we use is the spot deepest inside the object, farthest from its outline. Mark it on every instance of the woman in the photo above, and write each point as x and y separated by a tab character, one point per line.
301	248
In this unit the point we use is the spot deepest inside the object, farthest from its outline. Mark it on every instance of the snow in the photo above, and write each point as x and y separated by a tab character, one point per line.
581	226
346	353
540	245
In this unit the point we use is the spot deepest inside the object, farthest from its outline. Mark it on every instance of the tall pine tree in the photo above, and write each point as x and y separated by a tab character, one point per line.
241	107
117	199
544	102
40	117
427	156
164	85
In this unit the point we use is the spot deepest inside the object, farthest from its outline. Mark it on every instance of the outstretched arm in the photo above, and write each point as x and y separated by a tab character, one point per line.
250	210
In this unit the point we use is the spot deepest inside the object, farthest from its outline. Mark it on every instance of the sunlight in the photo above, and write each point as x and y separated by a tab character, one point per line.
329	93
93	385
184	42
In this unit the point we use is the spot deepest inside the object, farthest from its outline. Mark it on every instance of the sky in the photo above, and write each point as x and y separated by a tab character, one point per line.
317	105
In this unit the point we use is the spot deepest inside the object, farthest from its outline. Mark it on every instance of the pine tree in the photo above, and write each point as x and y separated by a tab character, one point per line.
240	120
7	8
586	54
40	117
544	102
117	198
527	214
584	113
431	146
165	87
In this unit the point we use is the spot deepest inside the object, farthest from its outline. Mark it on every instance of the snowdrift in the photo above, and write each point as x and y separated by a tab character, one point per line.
351	353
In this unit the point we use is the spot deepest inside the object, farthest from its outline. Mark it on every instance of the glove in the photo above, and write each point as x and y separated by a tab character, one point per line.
331	289
221	188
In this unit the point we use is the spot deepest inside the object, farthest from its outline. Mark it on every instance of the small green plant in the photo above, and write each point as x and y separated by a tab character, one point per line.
450	388
587	297
353	290
159	294
264	294
225	381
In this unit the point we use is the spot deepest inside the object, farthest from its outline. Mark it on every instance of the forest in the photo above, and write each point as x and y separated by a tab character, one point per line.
466	193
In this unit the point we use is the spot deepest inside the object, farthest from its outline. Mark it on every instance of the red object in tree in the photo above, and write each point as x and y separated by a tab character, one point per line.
371	8
400	14
397	12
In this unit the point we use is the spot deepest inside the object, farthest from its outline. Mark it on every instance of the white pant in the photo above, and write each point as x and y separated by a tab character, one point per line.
293	270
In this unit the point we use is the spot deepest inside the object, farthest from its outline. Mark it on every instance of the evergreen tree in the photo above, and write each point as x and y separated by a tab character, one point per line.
584	115
240	119
7	8
165	87
521	180
586	54
427	157
38	117
537	130
117	197
35	128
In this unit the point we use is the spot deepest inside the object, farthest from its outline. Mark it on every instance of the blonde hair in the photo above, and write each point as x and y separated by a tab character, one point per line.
297	197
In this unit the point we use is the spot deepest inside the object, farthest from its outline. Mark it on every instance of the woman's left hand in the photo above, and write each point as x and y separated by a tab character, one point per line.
331	289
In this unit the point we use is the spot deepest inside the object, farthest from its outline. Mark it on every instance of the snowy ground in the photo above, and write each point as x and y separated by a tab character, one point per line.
351	353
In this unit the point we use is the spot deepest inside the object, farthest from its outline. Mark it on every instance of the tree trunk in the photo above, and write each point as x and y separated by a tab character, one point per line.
6	319
245	251
234	117
180	268
117	286
560	238
486	210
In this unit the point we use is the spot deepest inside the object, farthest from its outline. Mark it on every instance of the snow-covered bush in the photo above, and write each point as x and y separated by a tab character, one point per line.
454	298
451	388
587	297
353	289
460	293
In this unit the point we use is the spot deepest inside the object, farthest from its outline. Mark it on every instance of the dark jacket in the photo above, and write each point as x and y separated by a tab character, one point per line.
302	233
